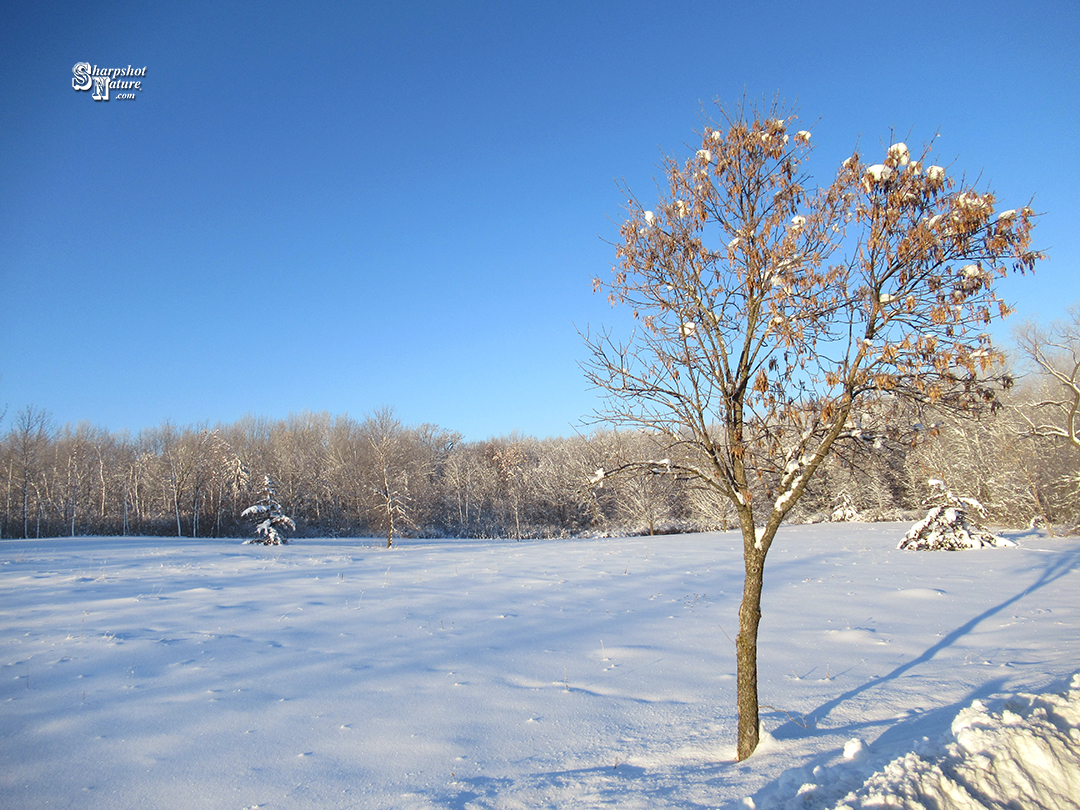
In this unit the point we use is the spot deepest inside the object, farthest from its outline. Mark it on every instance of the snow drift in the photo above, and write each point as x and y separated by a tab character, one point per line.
1026	755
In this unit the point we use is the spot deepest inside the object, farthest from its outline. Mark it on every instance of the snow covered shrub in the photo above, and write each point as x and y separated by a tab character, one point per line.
272	519
845	510
948	526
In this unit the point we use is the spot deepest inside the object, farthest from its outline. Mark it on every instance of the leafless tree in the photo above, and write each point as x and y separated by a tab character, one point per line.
775	319
401	467
561	505
1049	407
73	450
515	460
31	435
638	471
461	487
301	460
1055	354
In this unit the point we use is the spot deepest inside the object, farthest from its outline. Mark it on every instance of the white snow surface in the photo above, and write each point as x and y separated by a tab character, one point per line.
1025	755
180	673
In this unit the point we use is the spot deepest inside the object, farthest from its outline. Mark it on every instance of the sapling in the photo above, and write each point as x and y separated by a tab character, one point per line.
949	526
273	521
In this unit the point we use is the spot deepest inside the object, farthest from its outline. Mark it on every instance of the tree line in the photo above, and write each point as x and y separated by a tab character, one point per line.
375	476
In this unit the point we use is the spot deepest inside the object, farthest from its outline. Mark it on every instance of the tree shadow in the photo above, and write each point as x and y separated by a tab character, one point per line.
1062	563
902	735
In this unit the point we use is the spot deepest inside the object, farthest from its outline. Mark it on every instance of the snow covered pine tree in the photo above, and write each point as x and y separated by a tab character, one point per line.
272	519
948	526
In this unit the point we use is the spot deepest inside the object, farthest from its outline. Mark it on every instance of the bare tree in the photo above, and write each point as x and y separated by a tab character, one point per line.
515	461
30	436
301	458
777	320
461	475
646	496
982	459
1050	406
1055	355
561	505
401	464
348	452
74	446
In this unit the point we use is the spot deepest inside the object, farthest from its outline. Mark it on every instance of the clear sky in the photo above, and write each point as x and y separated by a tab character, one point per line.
341	206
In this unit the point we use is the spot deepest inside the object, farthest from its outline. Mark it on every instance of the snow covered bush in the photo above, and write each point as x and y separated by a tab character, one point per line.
272	519
948	526
845	510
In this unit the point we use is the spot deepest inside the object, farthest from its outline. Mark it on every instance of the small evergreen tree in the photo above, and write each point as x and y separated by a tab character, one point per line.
844	510
948	525
272	519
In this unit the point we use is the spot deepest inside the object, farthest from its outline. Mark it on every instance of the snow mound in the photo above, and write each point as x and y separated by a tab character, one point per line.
1027	755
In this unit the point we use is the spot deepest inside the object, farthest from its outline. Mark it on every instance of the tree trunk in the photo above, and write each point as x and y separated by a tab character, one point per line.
101	477
196	498
26	504
746	651
389	498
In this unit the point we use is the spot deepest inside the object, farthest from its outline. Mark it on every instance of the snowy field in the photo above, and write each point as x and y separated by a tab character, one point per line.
164	673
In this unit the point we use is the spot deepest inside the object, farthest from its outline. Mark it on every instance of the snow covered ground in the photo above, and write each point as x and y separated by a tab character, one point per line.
164	673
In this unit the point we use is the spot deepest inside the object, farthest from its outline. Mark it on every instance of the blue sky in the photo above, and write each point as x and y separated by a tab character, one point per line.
341	206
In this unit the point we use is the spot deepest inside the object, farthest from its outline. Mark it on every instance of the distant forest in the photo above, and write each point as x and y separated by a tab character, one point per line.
341	476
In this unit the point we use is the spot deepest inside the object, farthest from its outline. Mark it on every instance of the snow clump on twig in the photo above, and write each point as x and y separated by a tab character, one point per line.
899	154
